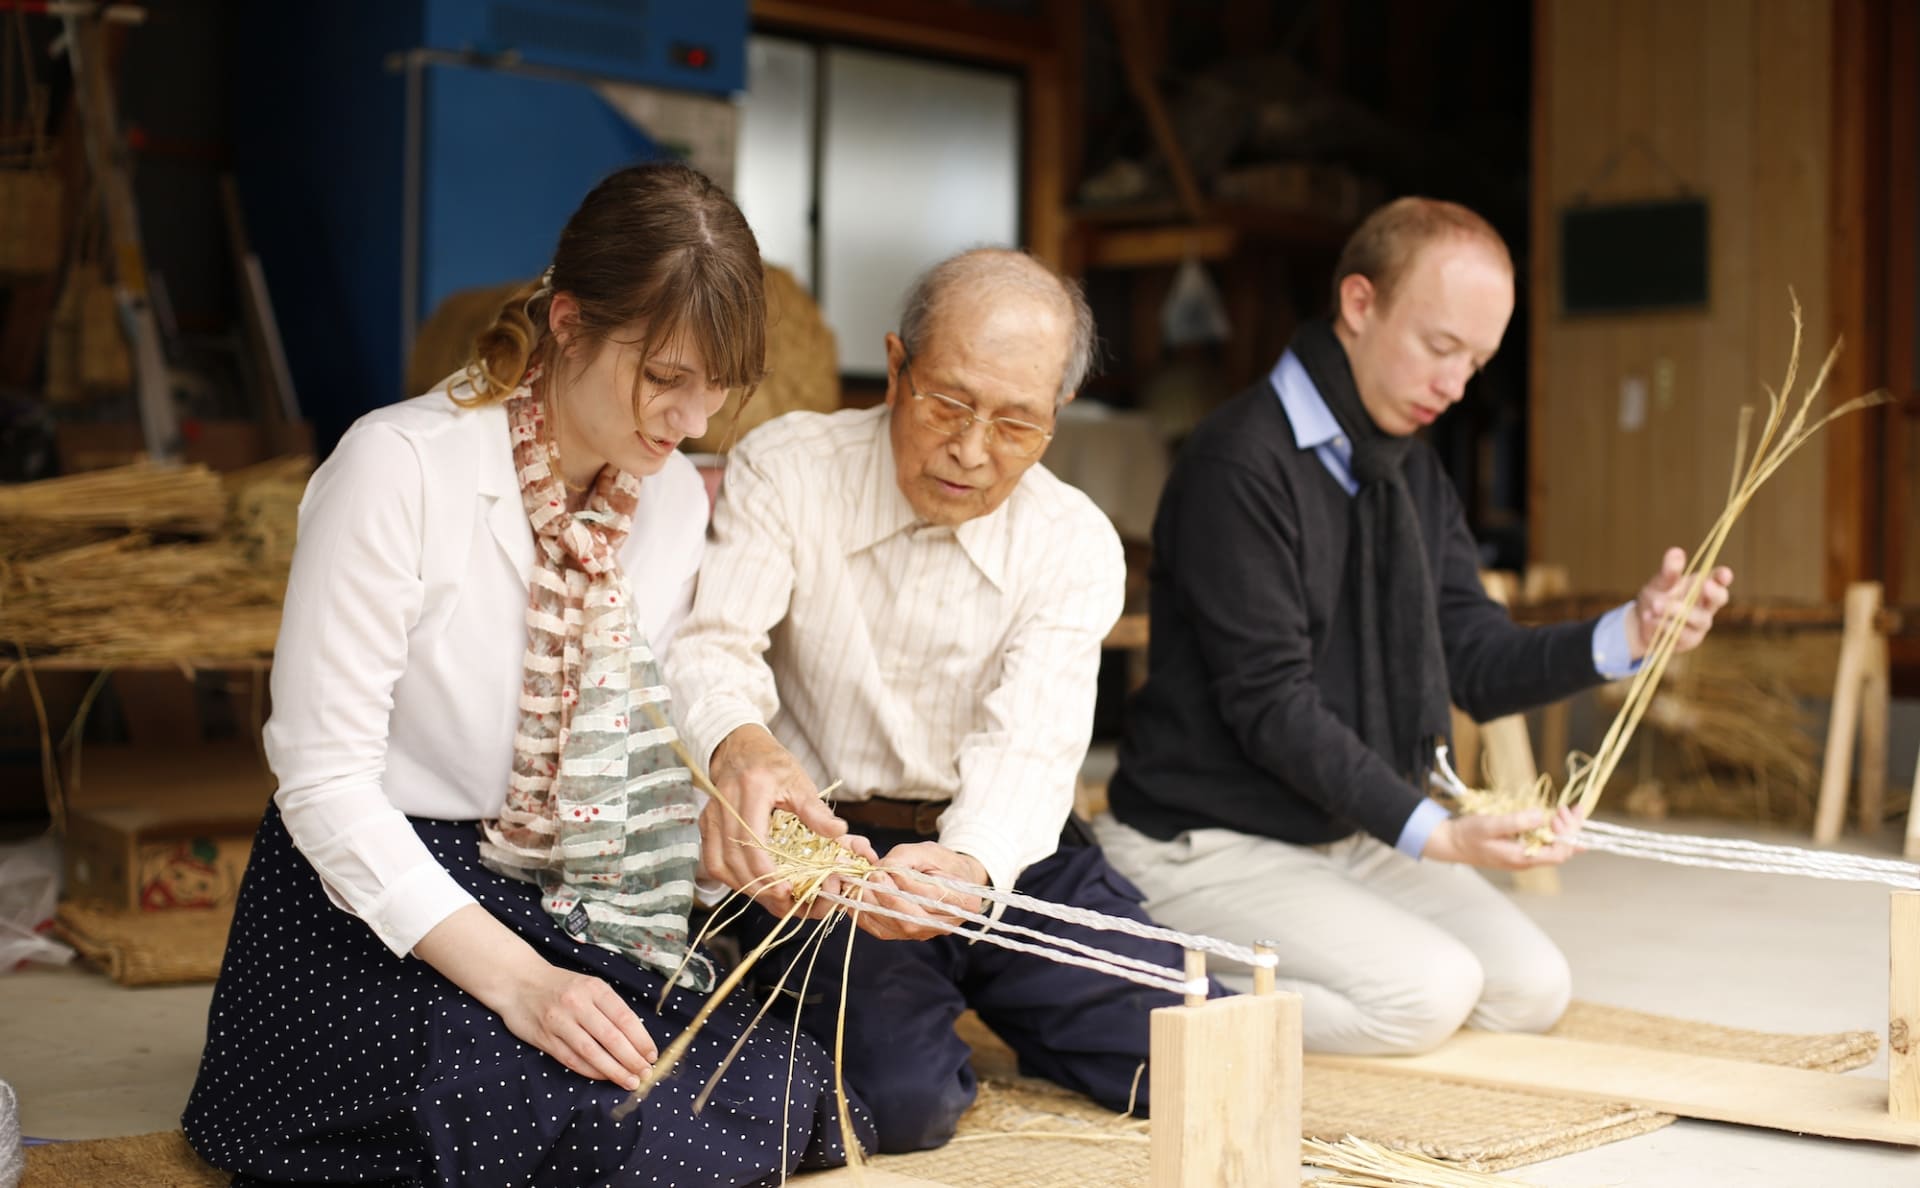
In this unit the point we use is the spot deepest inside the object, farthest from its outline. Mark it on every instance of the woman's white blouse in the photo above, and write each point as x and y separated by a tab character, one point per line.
397	675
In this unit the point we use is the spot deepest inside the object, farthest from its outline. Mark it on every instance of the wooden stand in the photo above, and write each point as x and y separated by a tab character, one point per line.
1226	1089
1903	1008
1860	693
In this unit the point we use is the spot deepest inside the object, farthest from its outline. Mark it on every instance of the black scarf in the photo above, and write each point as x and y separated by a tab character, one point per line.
1402	683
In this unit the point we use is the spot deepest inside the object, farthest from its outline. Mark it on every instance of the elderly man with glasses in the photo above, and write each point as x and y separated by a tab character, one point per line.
902	600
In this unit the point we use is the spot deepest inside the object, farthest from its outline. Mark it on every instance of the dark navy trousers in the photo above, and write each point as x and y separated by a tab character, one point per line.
1076	1027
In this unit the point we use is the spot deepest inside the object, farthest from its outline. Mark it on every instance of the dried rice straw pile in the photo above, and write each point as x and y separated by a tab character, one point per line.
1735	736
1786	429
148	564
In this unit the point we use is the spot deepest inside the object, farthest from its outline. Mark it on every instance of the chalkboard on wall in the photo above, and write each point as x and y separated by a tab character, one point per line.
1633	256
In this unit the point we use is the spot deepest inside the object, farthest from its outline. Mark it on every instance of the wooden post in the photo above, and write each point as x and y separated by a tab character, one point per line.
1913	815
1850	684
1876	696
1903	1013
1226	1091
1545	582
1507	752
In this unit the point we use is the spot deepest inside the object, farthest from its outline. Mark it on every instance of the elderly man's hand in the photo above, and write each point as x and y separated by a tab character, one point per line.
898	870
1664	594
755	775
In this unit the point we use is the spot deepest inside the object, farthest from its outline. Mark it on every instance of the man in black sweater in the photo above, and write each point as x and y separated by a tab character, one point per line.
1315	605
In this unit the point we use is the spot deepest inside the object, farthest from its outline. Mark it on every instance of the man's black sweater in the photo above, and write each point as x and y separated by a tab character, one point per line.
1247	719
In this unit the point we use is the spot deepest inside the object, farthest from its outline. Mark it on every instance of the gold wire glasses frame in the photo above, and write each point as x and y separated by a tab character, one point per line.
944	414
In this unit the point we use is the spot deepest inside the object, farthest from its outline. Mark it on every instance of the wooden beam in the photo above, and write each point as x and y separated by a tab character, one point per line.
1542	308
1857	271
1899	549
1130	27
1903	1008
1851	683
1226	1093
1793	1099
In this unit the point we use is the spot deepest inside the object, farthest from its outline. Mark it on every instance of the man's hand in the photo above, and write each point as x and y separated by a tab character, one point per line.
1498	841
1664	594
898	870
755	775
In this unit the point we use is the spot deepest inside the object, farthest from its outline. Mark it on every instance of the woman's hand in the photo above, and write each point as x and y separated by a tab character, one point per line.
582	1022
575	1018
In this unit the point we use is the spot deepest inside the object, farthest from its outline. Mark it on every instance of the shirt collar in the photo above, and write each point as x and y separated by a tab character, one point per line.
884	512
1313	422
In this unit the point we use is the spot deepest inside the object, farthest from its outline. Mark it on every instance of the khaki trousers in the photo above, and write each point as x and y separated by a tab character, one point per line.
1390	954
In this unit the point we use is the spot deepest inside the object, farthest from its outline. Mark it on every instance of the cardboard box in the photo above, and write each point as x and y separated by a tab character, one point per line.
159	830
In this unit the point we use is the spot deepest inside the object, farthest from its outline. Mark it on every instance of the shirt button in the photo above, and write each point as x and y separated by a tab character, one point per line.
1341	442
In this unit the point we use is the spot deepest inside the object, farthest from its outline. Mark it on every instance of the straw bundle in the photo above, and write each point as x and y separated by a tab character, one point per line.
1356	1163
141	496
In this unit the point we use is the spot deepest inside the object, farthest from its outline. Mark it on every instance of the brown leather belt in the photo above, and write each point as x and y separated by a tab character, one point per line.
921	817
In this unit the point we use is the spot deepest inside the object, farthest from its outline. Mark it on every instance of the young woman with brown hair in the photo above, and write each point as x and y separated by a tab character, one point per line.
462	938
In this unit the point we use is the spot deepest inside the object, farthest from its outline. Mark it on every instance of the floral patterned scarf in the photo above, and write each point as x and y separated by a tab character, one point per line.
600	813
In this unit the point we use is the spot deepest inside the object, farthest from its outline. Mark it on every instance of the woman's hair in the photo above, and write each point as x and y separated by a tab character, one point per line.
659	244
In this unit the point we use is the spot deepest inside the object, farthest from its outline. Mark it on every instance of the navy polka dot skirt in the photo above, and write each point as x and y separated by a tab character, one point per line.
329	1060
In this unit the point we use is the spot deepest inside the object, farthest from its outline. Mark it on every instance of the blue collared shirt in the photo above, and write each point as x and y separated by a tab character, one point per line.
1314	428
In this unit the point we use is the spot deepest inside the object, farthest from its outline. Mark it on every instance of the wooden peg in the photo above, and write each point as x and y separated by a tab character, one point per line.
1196	972
1263	974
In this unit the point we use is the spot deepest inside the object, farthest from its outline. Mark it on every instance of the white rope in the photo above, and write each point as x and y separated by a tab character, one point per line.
1753	857
1717	853
1045	938
1170	984
1088	918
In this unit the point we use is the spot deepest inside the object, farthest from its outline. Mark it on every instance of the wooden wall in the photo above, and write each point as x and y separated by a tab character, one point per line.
1735	97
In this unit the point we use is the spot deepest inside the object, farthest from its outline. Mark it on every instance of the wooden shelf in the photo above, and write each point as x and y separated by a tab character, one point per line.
1154	235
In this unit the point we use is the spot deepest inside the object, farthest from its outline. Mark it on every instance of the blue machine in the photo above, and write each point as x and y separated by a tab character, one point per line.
363	228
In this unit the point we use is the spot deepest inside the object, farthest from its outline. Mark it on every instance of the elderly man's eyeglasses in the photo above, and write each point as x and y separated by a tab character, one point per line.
1006	436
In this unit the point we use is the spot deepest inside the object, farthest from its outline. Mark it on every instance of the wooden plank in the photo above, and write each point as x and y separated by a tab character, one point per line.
1903	1008
1142	247
1226	1093
1792	1099
953	30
